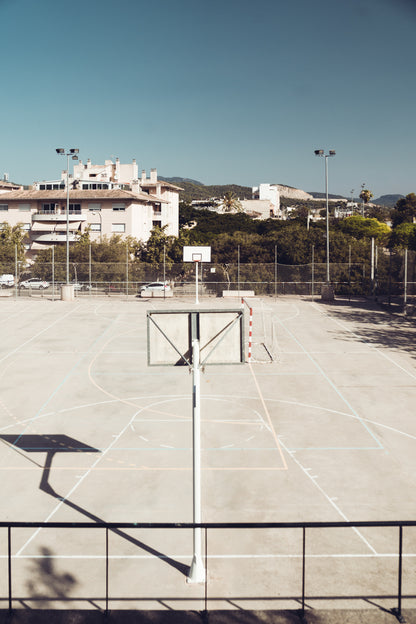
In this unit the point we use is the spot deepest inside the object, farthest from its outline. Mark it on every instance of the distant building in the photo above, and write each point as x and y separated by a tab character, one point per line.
108	199
6	186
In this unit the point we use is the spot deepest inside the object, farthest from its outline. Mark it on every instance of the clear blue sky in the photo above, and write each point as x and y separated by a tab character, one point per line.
221	91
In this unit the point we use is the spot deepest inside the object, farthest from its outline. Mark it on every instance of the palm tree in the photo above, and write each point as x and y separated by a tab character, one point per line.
231	203
365	195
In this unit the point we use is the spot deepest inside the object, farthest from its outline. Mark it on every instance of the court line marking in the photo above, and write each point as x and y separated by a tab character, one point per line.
269	420
328	498
332	384
228	556
42	331
366	342
76	485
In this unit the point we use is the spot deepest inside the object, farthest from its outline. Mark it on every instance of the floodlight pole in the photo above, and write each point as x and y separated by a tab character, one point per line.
326	156
73	153
197	570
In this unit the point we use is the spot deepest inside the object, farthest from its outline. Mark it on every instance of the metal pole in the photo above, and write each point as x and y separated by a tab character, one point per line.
9	559
89	267
196	282
15	271
53	272
164	271
238	271
275	271
67	218
327	220
303	569
313	271
405	276
372	265
127	270
197	570
349	270
399	602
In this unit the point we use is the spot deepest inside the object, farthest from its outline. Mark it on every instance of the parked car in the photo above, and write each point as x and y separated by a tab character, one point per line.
156	286
6	280
35	283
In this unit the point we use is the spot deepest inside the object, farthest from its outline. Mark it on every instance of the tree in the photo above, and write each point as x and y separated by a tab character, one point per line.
11	242
231	203
404	210
360	227
404	236
366	195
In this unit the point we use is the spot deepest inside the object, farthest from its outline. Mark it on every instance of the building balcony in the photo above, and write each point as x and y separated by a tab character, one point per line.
58	217
52	237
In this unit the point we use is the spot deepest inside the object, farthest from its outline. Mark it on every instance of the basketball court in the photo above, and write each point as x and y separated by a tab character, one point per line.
319	426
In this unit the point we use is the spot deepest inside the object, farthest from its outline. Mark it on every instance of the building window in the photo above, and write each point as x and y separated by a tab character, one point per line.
95	207
118	227
4	207
119	207
24	207
157	224
52	187
95	227
75	208
157	210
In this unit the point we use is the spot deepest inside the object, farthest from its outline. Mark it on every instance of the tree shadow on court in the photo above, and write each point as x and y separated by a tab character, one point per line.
54	444
374	325
47	584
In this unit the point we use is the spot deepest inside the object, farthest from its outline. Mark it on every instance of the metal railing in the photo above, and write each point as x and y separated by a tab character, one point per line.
396	594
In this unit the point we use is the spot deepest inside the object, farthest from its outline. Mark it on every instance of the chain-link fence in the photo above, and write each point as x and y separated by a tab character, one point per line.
387	275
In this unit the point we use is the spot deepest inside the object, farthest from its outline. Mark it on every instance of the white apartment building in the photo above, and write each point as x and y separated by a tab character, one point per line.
108	199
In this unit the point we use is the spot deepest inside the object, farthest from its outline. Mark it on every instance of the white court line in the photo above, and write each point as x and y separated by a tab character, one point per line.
332	384
64	498
245	556
23	344
361	339
330	500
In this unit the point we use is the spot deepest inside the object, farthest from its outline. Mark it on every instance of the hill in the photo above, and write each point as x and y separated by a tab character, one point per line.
387	200
192	189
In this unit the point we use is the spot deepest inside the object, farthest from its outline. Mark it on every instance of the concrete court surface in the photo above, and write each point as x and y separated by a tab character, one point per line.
320	427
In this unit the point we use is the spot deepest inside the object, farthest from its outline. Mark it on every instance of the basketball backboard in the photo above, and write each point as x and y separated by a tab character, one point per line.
170	334
196	253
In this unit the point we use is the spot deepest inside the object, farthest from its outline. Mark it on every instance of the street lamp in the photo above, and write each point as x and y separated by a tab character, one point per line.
73	153
326	156
101	223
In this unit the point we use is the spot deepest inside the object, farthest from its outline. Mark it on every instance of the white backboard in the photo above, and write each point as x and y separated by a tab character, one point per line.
170	334
193	253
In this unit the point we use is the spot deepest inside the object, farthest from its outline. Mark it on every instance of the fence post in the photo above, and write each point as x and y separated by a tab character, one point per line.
398	612
106	570
9	559
303	569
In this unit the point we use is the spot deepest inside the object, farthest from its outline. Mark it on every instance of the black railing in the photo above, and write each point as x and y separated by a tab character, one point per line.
396	594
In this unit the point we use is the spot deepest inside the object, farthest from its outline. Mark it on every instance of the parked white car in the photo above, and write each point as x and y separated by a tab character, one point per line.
6	280
156	286
35	283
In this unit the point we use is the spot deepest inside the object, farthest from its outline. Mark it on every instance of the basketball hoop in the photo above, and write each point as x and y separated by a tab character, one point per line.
196	255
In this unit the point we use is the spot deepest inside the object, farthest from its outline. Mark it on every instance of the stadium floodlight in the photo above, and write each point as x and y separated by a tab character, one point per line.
73	153
321	152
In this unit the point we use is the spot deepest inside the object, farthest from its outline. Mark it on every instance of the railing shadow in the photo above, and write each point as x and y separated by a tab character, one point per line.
59	443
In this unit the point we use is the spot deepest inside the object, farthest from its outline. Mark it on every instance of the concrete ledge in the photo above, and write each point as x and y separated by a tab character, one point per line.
232	616
6	293
238	293
156	294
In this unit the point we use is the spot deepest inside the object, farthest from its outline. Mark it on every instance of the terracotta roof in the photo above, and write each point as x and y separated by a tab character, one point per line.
113	194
